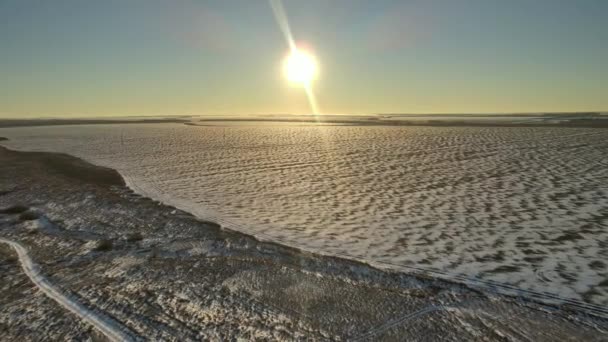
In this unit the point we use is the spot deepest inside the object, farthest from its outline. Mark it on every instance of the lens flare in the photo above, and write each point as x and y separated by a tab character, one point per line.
300	67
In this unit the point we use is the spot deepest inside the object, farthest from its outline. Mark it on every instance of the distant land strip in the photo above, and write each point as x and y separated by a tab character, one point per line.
578	120
579	123
57	122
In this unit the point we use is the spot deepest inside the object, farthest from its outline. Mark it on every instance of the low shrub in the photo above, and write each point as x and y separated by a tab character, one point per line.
14	209
29	216
103	245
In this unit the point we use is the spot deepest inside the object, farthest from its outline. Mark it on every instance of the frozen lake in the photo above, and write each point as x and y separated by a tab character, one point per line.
526	207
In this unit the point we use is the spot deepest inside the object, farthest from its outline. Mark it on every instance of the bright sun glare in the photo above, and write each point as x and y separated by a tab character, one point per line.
300	67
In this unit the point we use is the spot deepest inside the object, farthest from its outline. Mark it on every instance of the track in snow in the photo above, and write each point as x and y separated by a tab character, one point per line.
110	328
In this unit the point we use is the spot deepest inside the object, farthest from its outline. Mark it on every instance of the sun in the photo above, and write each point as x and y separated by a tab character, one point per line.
300	67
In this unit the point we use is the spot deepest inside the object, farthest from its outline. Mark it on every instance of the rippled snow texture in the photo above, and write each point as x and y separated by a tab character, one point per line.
522	206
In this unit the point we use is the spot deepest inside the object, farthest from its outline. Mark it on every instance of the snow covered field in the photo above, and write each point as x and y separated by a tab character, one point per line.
526	207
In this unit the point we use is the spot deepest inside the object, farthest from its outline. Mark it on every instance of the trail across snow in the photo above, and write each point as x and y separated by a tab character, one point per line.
111	329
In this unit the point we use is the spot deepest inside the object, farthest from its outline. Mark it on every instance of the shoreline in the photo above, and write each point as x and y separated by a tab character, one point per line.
110	176
475	284
472	282
108	192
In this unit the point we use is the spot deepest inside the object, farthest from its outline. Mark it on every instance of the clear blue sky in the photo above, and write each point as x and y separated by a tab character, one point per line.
151	57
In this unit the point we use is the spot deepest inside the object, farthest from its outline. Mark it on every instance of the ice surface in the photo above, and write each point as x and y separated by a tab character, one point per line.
526	207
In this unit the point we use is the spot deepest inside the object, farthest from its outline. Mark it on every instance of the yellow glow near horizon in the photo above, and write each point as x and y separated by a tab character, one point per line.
300	67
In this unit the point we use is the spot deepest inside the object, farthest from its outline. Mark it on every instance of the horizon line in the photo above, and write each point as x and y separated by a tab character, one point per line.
67	116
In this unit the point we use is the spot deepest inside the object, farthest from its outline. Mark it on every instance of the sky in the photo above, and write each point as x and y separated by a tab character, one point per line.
81	58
